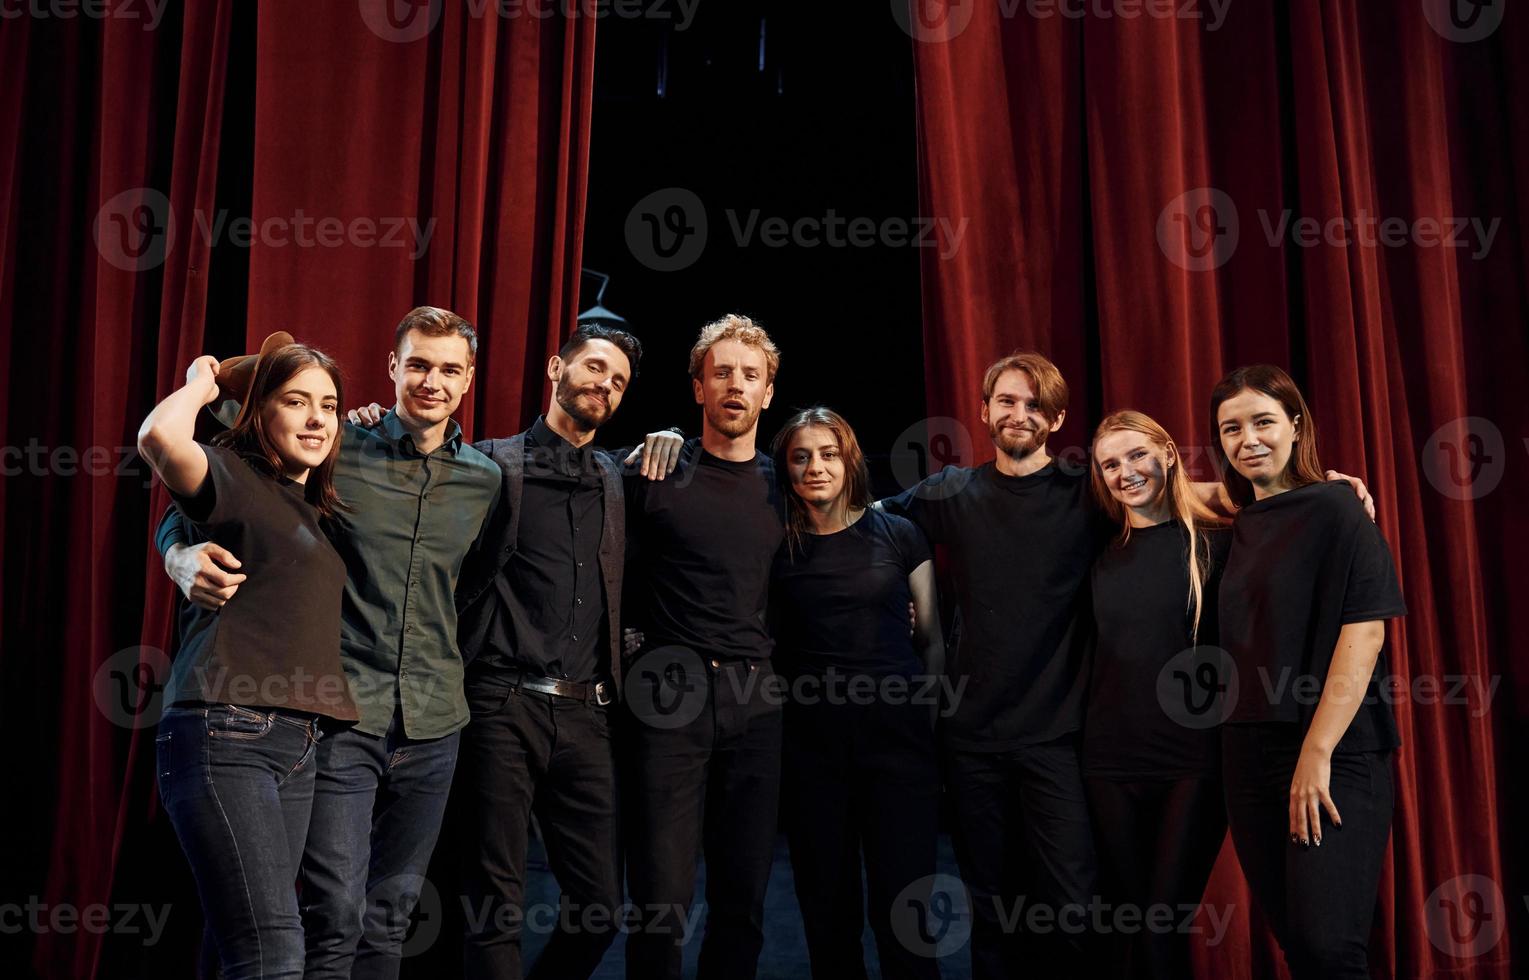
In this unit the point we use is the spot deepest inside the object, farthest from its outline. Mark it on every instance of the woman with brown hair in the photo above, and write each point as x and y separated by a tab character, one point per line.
1307	747
859	770
1151	755
256	678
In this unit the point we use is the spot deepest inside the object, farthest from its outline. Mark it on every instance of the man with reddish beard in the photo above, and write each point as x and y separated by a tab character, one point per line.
705	740
1022	534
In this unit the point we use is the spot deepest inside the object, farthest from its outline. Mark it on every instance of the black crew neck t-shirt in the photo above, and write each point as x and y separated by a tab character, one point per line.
276	643
840	601
700	544
1020	550
1142	620
1304	563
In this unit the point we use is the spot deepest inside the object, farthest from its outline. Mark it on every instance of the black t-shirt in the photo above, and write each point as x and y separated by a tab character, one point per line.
840	601
1143	620
1303	564
699	547
276	643
1020	551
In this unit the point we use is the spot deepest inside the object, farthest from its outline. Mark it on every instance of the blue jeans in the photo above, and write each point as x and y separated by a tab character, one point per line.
378	804
237	784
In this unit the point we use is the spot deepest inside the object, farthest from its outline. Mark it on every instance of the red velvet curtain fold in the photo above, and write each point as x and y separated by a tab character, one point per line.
1135	186
383	156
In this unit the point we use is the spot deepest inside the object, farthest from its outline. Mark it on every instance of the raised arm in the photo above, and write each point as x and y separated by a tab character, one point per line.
167	438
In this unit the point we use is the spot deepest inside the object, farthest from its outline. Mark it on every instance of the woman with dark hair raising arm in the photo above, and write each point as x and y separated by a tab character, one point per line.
1307	747
1151	754
859	771
256	677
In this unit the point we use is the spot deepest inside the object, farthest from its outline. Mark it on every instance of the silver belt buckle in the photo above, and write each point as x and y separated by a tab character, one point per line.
602	694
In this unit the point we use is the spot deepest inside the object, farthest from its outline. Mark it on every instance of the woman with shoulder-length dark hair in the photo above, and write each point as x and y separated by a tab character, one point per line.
1307	747
1151	748
859	771
257	678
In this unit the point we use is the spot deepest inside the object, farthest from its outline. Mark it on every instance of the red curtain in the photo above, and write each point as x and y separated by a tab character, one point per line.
380	156
1135	176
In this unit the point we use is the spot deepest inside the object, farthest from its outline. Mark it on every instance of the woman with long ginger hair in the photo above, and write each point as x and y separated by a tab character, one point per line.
859	773
1308	587
1151	759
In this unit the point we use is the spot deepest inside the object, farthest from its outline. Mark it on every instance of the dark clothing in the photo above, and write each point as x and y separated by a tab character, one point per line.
1020	551
841	600
1318	900
377	808
709	787
860	778
542	592
275	644
702	541
410	522
1304	563
1158	842
526	753
1023	839
1143	619
237	785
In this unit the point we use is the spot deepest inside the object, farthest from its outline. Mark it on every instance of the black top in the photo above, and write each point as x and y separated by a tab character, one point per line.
276	643
1020	550
840	601
1303	564
1143	619
699	547
547	604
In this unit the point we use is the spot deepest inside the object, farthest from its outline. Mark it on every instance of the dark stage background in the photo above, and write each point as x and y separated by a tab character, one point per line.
1119	191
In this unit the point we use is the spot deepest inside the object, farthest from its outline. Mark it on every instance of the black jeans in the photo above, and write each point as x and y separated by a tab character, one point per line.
1158	841
860	776
525	752
237	784
1024	840
712	786
377	809
1318	900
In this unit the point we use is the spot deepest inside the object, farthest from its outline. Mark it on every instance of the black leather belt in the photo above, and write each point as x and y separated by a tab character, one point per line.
600	692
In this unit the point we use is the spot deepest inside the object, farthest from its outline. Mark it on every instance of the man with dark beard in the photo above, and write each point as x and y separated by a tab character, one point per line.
539	625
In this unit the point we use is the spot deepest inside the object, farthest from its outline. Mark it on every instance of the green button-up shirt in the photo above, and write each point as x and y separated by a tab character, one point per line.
410	521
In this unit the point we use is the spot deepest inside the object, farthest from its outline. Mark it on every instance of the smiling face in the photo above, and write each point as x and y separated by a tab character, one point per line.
301	421
733	387
1135	468
590	382
430	375
815	465
1258	436
1014	418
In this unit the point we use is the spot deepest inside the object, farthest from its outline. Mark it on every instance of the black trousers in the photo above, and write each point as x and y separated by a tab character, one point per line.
1026	850
1158	840
1318	900
712	786
526	753
860	776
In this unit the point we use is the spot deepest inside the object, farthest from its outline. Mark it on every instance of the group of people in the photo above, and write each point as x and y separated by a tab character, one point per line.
377	608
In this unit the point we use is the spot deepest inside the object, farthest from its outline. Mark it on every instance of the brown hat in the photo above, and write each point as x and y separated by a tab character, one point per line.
236	374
